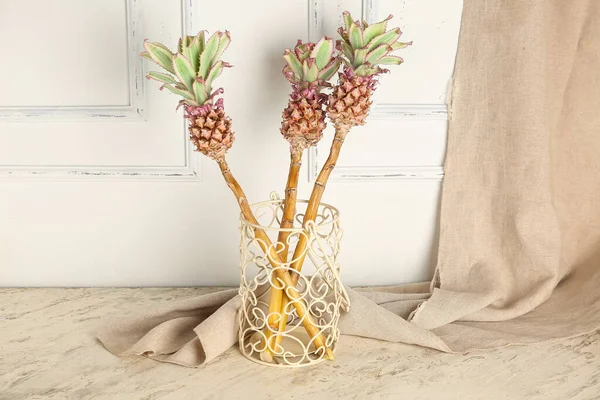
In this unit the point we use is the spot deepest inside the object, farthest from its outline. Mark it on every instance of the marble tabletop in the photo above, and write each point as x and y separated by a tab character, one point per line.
48	350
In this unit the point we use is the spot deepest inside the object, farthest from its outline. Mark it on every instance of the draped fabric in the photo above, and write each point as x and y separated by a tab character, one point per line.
519	252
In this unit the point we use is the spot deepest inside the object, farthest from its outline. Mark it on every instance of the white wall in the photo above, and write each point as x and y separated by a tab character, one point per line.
99	186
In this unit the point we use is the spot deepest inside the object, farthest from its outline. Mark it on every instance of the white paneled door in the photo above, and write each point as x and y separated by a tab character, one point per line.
99	186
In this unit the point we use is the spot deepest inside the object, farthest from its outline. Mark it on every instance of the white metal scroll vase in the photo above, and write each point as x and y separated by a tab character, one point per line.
321	291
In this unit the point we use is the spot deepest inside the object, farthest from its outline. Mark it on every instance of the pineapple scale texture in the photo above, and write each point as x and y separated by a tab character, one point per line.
210	129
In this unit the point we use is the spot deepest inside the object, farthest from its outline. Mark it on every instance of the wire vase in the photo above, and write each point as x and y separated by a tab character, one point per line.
321	291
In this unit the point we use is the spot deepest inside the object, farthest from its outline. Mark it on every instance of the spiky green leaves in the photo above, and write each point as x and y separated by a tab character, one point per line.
191	48
374	30
160	54
311	62
224	40
184	70
181	92
164	78
323	52
293	65
207	55
355	37
365	47
200	93
194	66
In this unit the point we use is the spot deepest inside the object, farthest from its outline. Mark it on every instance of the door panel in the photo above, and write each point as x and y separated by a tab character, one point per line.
71	53
433	26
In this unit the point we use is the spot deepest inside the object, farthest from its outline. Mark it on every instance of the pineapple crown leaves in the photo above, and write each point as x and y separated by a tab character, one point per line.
311	64
191	71
365	47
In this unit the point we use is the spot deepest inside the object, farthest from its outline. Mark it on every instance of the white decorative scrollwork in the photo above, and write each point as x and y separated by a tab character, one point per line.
320	288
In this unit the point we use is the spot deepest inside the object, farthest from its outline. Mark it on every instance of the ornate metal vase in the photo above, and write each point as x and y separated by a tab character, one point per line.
278	337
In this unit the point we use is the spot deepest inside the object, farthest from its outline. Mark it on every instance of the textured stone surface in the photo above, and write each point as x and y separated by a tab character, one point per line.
48	350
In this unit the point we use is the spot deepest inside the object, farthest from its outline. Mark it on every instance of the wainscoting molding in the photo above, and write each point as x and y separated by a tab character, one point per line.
190	171
134	110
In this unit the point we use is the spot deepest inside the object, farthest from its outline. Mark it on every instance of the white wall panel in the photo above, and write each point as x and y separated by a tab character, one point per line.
433	27
78	60
64	53
391	143
102	141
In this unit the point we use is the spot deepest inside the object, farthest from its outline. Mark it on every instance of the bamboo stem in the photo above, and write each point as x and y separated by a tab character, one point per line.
287	221
275	260
291	196
317	195
277	320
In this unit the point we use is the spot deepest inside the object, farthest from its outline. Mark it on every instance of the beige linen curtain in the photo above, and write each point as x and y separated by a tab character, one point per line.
519	253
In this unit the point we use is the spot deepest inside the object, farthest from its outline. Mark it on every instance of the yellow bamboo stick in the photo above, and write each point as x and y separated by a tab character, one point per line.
287	221
277	297
317	195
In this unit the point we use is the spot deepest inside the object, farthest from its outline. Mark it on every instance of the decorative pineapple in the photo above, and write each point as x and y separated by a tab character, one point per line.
309	67
192	71
364	48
